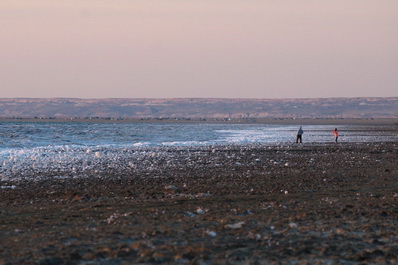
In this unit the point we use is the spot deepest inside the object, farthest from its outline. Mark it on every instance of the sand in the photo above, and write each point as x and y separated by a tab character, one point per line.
292	204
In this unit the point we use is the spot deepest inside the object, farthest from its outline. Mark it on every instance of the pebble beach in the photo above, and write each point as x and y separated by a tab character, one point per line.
248	204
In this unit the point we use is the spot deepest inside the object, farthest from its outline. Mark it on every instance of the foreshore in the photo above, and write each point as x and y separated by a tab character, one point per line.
258	204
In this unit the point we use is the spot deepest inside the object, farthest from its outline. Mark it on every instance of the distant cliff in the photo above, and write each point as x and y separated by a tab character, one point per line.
200	108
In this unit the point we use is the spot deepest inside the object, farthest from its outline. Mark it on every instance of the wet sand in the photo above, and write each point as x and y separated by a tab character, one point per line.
293	204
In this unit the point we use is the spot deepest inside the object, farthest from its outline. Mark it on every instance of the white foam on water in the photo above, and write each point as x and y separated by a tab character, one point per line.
188	143
142	144
120	148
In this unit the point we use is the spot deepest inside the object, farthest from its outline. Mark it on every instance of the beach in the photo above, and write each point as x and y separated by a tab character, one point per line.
320	203
198	132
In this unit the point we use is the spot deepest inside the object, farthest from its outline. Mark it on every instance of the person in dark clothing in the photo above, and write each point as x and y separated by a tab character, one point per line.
299	135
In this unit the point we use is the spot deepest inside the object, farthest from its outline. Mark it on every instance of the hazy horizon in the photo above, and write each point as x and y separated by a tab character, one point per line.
178	98
200	108
98	49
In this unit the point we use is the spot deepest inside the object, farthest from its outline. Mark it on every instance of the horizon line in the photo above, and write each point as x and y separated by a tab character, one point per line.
190	98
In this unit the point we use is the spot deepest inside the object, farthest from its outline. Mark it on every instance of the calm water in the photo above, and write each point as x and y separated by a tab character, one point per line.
33	135
31	150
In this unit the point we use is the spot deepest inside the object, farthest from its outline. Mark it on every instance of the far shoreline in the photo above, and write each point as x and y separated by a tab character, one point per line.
276	121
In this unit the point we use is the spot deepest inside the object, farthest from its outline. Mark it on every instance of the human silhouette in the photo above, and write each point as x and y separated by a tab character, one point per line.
299	135
336	134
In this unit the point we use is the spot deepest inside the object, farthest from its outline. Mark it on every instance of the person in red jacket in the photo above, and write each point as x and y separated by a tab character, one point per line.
336	134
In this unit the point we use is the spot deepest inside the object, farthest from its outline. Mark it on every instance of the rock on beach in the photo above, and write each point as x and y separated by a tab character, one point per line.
250	204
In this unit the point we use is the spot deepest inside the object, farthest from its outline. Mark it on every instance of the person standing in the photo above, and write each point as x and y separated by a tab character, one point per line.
336	134
299	135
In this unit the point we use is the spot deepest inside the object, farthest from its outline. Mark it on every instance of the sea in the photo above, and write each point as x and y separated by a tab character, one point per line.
34	148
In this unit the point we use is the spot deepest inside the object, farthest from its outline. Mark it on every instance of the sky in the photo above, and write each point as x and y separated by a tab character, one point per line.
198	49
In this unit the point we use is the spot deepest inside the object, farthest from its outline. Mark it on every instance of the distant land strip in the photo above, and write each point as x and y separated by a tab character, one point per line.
285	121
198	109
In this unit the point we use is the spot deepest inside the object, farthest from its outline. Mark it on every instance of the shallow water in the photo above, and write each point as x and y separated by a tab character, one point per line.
32	135
81	149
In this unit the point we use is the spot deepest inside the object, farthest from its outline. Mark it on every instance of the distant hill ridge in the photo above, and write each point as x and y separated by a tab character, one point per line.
384	107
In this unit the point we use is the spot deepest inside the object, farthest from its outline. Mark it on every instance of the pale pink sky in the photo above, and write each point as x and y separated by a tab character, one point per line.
187	48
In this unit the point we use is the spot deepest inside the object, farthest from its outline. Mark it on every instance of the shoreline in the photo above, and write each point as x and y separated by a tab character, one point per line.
306	204
104	162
